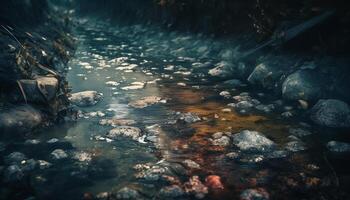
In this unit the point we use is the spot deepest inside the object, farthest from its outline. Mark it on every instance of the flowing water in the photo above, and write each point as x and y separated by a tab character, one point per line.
163	64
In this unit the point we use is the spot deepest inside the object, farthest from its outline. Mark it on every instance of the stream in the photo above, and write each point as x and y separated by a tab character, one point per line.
157	83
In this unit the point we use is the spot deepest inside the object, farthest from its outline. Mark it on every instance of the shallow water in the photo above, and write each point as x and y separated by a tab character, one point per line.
112	162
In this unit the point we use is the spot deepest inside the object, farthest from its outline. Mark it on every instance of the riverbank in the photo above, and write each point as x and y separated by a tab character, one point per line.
35	49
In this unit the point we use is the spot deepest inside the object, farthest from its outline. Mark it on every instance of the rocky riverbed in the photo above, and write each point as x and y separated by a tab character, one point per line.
167	115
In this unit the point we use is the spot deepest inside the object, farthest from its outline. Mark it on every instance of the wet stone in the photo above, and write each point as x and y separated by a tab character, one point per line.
32	142
173	191
117	122
189	117
86	98
125	131
278	154
52	141
134	86
191	164
59	154
252	141
196	188
232	155
13	173
44	164
29	165
15	158
222	140
298	132
339	147
295	146
255	194
127	193
82	156
331	113
249	158
145	102
214	182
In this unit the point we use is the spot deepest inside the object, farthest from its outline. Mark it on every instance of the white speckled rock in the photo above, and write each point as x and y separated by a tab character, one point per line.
252	141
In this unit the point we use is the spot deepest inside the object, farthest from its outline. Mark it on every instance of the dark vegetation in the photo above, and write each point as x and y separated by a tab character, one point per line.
227	17
34	47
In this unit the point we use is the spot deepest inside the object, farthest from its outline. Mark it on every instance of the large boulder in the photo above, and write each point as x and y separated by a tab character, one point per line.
265	75
331	113
20	119
252	141
303	85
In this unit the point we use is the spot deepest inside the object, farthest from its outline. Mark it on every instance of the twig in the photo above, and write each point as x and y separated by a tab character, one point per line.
13	36
22	91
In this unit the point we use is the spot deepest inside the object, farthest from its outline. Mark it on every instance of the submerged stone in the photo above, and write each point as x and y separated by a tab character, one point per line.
125	131
117	122
255	194
191	164
189	117
302	85
172	191
127	193
59	154
339	147
331	113
15	158
298	132
20	119
214	182
145	102
295	146
196	188
252	141
13	173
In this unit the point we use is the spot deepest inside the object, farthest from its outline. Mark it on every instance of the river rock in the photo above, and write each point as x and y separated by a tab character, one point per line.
59	154
299	132
126	131
232	83
339	147
219	139
214	182
43	164
255	194
173	191
331	113
191	164
150	172
252	141
85	98
128	193
117	122
19	120
304	85
196	188
295	146
13	173
226	69
189	117
265	75
145	102
15	158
